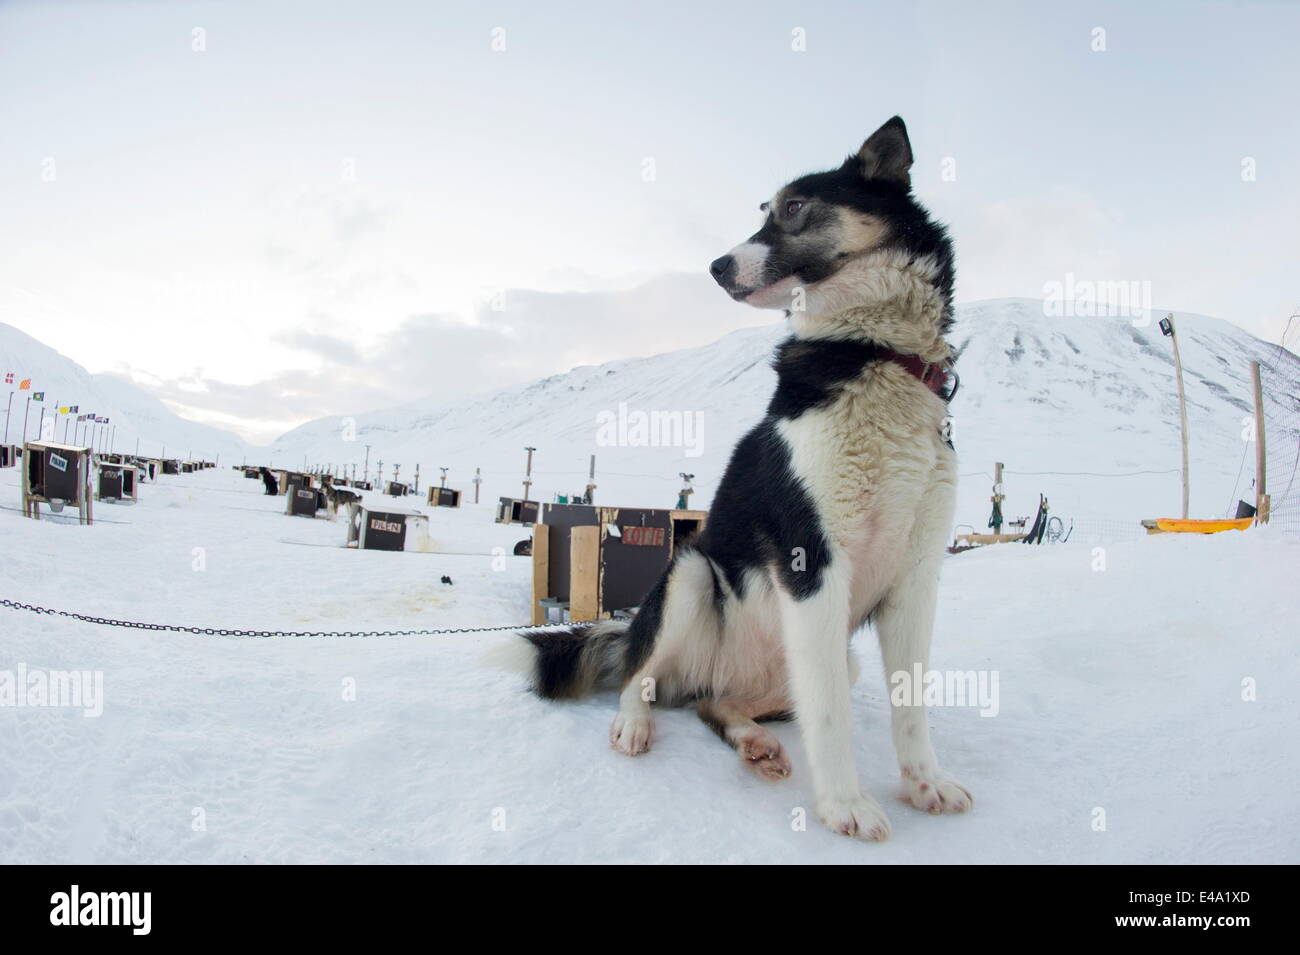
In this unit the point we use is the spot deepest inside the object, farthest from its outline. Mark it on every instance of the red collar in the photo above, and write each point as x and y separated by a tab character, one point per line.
932	376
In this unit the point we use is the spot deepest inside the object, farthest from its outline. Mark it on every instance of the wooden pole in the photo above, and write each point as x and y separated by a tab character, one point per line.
1182	407
1261	471
478	479
528	474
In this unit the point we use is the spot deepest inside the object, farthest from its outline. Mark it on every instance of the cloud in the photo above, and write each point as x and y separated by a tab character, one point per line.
518	336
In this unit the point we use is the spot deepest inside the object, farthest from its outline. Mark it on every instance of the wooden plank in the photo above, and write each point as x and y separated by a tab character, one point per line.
584	563
541	570
989	538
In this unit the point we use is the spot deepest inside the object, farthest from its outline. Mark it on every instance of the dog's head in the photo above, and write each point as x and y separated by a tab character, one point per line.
820	225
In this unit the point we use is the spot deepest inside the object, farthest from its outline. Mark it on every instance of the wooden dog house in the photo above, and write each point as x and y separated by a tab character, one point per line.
284	480
56	475
117	482
397	489
589	561
303	501
512	510
444	497
9	455
386	528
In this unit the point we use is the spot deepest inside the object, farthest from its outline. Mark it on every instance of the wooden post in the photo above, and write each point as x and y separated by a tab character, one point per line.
541	571
584	568
1182	407
528	474
1261	470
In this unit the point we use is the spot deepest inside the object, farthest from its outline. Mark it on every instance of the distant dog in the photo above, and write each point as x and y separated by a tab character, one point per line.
338	497
833	510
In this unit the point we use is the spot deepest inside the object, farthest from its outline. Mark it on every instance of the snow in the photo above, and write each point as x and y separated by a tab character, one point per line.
1120	689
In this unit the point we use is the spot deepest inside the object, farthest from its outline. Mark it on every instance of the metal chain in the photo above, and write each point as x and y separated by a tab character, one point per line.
224	632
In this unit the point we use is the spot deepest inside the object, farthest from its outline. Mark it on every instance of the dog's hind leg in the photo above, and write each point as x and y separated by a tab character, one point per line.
815	629
671	640
758	747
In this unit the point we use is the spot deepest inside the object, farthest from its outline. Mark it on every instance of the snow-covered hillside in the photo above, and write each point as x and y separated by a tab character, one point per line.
1120	689
136	414
1039	393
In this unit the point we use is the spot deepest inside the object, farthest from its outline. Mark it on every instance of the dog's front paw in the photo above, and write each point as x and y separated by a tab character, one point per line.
860	817
935	792
632	734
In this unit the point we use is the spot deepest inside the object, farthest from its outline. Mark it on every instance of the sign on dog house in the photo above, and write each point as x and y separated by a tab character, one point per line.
56	475
387	528
589	561
444	497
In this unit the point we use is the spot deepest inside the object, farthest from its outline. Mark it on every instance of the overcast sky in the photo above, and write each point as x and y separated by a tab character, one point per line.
266	212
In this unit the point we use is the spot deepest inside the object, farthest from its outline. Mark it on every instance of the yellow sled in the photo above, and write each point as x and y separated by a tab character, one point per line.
1174	525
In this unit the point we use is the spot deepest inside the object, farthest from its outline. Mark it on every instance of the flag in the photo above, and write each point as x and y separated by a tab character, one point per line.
65	410
38	396
24	384
9	378
72	409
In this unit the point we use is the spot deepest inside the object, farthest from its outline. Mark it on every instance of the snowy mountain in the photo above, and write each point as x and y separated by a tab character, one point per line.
136	414
1094	397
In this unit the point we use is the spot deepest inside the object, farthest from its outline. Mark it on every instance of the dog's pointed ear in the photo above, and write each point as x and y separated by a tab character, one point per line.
887	154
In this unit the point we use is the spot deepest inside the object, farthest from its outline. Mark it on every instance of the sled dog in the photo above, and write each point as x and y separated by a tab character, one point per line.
337	497
832	513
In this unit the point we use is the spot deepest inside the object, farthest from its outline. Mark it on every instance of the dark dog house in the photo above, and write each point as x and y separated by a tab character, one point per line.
444	497
252	473
56	475
589	561
512	510
171	466
288	480
386	528
9	454
302	501
397	489
117	482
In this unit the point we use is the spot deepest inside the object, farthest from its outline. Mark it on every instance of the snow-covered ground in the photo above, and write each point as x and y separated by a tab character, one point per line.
1120	689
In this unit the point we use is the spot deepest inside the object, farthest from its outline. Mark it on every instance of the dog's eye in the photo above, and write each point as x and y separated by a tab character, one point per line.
792	207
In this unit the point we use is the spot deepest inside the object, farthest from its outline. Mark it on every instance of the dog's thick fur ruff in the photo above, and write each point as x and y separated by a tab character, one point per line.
832	512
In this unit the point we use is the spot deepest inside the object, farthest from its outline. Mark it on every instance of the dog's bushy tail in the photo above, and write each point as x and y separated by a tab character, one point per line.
568	663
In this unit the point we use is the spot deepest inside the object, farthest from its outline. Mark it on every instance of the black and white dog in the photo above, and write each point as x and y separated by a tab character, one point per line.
833	510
